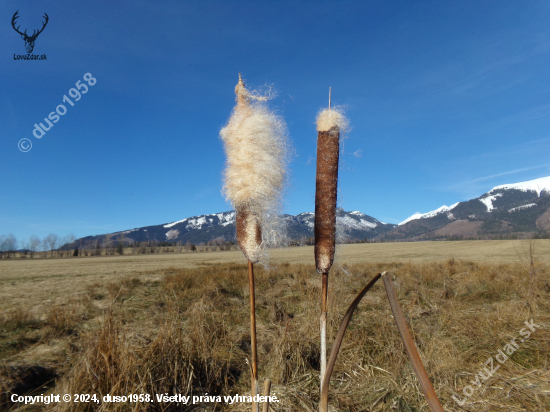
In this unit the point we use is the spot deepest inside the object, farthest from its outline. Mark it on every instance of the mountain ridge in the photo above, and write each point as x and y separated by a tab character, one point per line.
509	209
515	208
208	227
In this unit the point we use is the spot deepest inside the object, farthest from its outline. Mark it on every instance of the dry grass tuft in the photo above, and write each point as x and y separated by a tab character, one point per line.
16	318
65	319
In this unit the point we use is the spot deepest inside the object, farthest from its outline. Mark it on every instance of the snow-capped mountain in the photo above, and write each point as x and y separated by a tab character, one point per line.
506	209
353	224
442	209
204	228
518	207
537	185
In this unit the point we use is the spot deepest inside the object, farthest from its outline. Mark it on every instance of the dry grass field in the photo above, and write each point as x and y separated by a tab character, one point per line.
178	323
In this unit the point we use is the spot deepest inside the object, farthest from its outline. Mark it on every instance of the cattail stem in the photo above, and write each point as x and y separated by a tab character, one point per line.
253	345
267	390
323	325
323	405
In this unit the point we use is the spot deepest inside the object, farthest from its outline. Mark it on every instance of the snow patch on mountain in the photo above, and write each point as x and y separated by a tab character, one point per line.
488	201
368	224
168	225
433	213
351	223
172	234
522	207
537	185
230	217
197	222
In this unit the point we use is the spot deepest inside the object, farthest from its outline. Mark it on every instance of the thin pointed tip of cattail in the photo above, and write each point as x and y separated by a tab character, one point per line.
241	92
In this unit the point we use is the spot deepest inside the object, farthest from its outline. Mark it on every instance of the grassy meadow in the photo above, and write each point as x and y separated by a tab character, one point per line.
179	323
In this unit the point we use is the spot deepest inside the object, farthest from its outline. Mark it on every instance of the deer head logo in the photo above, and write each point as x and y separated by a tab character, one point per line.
29	40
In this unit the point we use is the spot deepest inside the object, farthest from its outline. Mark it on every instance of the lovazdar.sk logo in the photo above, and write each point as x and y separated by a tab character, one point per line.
29	40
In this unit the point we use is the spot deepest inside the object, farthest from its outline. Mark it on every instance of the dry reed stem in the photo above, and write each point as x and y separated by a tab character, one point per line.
323	405
323	326
420	372
253	343
267	391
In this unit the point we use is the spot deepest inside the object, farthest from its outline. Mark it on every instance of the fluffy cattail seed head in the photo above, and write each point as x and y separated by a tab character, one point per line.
256	149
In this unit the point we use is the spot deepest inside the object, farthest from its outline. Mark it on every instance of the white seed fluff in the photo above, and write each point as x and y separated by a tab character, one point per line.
328	119
255	141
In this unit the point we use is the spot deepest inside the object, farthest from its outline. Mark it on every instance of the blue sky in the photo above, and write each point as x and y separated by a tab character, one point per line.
445	99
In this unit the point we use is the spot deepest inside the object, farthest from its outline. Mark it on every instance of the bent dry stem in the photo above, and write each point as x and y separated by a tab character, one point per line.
420	372
406	337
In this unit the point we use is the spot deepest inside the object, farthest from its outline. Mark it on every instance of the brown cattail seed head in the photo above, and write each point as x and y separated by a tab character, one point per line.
249	235
328	146
329	124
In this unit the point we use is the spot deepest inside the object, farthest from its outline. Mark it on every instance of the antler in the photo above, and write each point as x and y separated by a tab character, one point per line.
15	16
40	31
34	33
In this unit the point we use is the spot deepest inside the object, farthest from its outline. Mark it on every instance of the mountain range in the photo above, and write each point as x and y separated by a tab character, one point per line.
511	209
505	210
204	228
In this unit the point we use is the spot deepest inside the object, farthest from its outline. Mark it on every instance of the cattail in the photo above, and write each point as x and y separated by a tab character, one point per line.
330	122
255	144
256	147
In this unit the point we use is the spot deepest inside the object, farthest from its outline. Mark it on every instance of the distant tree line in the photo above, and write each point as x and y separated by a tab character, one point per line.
55	246
48	246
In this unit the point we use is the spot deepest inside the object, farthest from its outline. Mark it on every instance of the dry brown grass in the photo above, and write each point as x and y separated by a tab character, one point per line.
185	330
37	282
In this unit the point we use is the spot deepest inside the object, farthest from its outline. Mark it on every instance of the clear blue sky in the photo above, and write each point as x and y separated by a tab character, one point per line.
445	100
